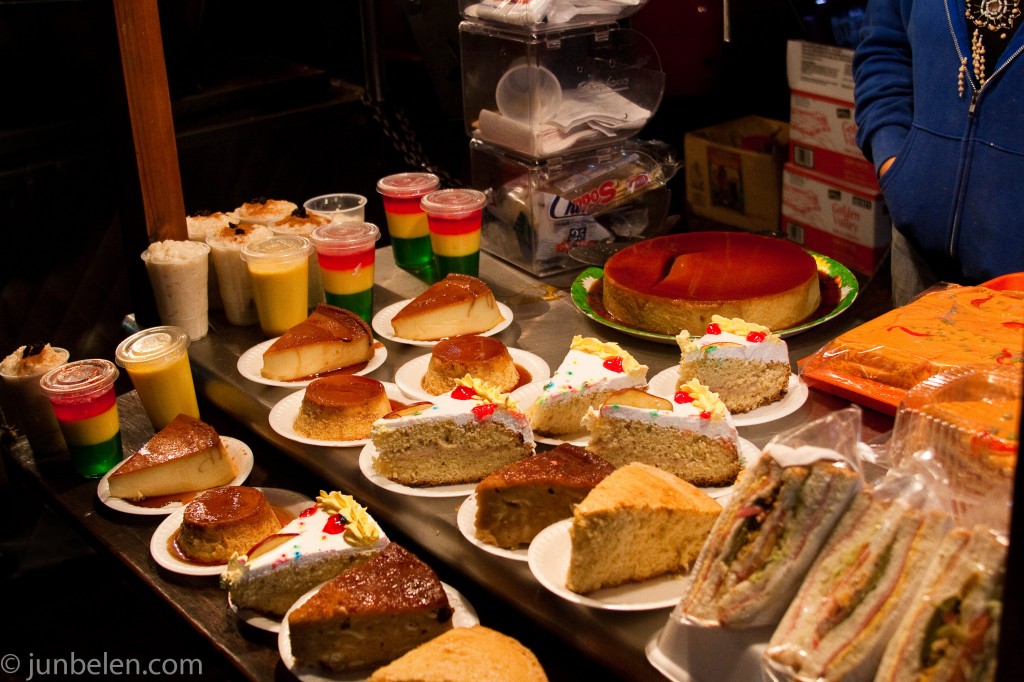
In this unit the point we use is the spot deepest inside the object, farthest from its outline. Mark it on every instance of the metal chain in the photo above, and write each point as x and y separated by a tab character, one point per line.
404	140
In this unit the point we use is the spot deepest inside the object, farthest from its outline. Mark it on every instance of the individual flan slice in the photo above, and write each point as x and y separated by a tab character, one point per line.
370	614
522	499
185	456
458	304
330	338
638	523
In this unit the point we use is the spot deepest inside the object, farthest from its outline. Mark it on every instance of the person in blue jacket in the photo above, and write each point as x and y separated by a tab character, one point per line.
939	105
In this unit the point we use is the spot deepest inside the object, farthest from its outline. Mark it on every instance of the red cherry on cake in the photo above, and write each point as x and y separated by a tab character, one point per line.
308	512
484	411
335	524
613	364
682	397
463	393
705	415
713	328
756	337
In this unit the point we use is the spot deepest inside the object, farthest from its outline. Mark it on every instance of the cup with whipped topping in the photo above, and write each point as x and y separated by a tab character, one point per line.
33	416
178	271
232	274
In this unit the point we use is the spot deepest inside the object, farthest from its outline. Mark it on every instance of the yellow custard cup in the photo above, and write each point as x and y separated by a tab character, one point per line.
279	272
156	360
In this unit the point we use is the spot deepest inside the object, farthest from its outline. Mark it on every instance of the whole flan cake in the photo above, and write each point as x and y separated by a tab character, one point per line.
371	614
327	538
222	521
330	338
667	284
341	407
744	363
458	304
185	456
520	500
483	357
690	435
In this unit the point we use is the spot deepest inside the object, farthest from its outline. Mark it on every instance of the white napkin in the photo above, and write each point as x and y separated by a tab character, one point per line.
601	107
530	12
545	140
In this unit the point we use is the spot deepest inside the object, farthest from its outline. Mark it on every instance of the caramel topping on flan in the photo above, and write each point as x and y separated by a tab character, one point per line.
327	322
470	348
454	288
343	390
226	505
568	464
185	435
712	266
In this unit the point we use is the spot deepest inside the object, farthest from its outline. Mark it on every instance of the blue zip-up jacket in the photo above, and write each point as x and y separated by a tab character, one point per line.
956	189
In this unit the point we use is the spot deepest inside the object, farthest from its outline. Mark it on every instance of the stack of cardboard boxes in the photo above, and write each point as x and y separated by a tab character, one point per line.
831	203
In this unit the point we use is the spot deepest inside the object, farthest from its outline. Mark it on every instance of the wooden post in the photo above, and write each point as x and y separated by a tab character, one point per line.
149	107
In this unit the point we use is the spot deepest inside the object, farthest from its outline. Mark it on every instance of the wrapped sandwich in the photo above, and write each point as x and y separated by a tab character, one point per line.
850	601
774	525
951	631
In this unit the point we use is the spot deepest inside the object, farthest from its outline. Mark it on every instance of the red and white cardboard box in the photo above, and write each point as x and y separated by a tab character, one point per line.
823	139
840	220
817	69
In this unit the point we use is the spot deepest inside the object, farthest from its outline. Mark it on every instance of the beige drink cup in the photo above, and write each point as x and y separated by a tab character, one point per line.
21	371
178	271
232	274
279	271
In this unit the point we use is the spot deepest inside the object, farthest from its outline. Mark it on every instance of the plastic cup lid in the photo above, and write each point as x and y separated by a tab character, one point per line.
152	344
408	185
79	379
279	249
453	202
338	237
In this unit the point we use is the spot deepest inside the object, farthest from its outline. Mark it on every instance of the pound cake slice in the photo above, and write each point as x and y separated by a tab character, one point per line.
690	435
522	499
370	614
744	363
591	371
473	654
330	338
185	456
461	437
638	523
327	538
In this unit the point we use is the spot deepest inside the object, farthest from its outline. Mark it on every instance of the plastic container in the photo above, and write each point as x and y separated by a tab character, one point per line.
547	15
541	95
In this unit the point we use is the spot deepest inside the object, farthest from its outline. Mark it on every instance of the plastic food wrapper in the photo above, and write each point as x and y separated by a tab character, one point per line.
774	524
963	426
553	13
945	328
863	580
951	630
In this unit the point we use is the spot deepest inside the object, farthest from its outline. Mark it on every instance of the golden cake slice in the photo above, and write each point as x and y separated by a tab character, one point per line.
473	654
184	456
370	614
522	499
638	523
330	338
458	304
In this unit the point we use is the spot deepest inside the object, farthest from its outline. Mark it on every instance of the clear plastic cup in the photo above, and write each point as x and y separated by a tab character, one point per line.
346	252
178	272
454	217
156	360
279	272
303	226
232	274
407	221
340	207
82	396
21	372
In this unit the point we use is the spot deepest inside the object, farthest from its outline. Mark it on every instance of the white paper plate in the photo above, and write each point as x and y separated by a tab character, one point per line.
292	503
466	519
250	363
526	396
382	324
664	384
409	376
549	561
238	451
463	616
366	465
283	414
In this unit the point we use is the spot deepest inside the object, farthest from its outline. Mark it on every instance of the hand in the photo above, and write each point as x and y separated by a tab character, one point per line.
884	168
